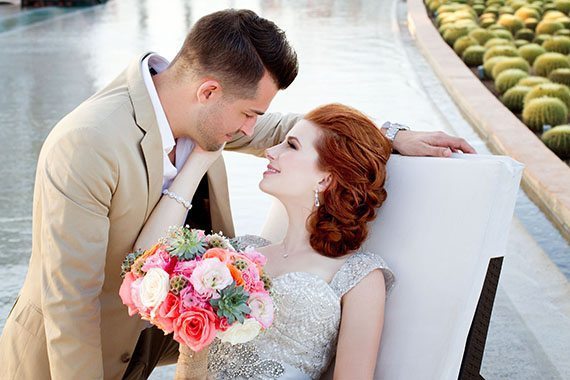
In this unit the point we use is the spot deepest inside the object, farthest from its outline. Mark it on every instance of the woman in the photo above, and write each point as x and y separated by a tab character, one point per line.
329	174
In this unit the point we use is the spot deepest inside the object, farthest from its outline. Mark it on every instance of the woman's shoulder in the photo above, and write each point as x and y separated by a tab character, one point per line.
244	241
357	267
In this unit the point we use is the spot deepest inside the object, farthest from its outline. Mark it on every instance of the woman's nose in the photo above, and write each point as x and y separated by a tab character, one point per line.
269	154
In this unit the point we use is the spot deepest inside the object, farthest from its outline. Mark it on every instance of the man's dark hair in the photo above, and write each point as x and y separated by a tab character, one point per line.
237	46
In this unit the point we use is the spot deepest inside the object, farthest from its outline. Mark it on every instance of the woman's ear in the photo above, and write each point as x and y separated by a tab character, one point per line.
324	183
208	90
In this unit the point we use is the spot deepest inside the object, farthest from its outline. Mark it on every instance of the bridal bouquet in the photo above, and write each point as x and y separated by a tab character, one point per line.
198	287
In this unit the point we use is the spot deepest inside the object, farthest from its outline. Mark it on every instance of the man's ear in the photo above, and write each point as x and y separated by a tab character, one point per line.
208	90
324	183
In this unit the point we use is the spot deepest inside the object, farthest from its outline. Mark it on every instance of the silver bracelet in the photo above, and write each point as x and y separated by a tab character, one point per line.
177	198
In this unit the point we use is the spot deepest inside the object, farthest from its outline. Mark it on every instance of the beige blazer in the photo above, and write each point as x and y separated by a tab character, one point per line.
99	176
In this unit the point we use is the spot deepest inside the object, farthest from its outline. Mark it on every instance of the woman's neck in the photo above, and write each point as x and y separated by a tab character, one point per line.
297	236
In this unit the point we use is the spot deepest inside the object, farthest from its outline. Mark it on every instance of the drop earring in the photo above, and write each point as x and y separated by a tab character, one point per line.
317	203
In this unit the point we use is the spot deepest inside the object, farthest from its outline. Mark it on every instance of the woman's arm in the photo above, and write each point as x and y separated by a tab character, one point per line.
168	212
361	328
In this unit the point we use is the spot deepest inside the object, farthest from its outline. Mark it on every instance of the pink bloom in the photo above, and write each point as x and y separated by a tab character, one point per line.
160	259
191	298
185	268
167	313
125	292
259	286
261	307
136	297
250	277
210	275
255	256
196	328
222	324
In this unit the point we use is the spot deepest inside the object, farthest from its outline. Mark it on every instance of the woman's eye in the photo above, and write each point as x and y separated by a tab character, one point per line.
291	145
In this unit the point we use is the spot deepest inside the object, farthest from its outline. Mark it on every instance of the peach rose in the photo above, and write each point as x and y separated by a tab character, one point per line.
220	253
167	313
195	328
125	292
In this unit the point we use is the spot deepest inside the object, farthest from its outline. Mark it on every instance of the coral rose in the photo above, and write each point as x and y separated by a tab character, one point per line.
125	292
219	253
167	313
195	328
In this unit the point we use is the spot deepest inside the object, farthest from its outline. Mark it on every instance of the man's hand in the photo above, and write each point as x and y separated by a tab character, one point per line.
435	144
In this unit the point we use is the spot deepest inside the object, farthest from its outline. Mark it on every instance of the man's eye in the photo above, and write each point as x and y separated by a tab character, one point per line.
248	116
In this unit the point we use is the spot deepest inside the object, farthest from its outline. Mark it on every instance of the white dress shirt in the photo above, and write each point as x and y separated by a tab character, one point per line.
184	146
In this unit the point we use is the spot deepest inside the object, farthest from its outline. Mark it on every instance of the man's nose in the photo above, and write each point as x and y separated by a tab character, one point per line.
249	126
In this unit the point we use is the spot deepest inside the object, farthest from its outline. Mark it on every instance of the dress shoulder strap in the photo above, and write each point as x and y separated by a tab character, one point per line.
240	243
358	266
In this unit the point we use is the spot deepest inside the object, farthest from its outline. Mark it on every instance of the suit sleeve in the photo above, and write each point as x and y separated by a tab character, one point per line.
78	177
270	130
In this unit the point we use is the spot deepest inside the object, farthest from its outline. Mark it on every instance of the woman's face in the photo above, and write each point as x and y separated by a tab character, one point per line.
292	174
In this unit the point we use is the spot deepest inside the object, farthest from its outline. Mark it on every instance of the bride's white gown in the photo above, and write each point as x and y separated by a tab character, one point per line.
302	340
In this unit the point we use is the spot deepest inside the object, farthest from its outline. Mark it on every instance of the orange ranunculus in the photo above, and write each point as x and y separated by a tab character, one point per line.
236	274
219	253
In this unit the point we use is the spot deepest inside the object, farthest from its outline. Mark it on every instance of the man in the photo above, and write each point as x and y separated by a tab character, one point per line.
101	172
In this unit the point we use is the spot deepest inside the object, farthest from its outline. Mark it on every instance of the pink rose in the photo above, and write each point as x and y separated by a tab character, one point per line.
250	277
185	268
136	297
125	292
261	307
191	298
222	324
160	259
167	313
195	328
255	256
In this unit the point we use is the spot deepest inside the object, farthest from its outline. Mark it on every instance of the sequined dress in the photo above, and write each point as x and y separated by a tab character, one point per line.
302	340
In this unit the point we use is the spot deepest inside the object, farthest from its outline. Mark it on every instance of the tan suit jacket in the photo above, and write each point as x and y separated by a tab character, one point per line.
99	176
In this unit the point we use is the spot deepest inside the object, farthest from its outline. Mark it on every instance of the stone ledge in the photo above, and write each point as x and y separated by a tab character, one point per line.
546	178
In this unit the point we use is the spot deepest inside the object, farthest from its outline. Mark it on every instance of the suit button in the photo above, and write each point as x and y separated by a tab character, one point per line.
126	357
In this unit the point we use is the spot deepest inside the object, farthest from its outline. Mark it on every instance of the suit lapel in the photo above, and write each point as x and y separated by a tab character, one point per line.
151	143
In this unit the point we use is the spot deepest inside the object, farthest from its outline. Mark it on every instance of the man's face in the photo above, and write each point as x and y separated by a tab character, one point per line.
220	121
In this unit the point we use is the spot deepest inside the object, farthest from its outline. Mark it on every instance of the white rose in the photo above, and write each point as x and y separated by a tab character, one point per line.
210	275
154	288
240	332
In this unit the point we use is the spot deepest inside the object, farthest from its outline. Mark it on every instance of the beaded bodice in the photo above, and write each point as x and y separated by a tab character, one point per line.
302	340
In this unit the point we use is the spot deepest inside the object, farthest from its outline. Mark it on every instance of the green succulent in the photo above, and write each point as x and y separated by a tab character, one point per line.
508	78
548	27
530	52
452	34
506	10
513	98
463	43
479	9
512	23
524	34
129	260
563	32
473	55
564	21
486	22
531	23
481	35
561	76
533	80
510	63
557	140
558	44
539	39
500	51
527	12
489	64
562	5
497	42
232	303
544	111
186	244
548	62
552	14
554	90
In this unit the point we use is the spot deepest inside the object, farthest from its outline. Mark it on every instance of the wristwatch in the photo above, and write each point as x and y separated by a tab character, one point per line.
393	129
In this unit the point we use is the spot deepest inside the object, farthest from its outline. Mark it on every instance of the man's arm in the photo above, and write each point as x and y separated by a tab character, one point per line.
270	129
78	177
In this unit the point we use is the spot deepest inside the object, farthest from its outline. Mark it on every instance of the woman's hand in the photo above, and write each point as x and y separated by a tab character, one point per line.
200	160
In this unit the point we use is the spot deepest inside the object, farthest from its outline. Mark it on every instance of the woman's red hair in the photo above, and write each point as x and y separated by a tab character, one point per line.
354	151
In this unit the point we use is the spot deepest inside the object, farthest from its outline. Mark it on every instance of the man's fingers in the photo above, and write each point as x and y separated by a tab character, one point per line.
455	143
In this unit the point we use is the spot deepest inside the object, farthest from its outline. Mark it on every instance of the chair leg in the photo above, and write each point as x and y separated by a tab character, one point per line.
475	345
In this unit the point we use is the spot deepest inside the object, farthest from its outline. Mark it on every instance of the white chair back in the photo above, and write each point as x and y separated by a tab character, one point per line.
442	222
